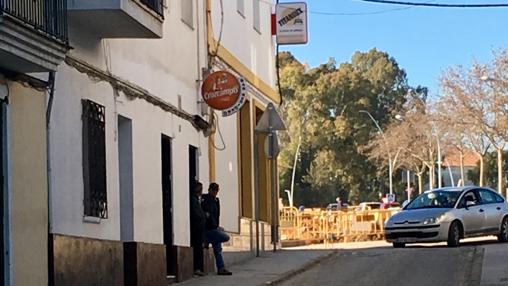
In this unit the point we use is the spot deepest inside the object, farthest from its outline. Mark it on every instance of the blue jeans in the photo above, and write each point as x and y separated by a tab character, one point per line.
216	238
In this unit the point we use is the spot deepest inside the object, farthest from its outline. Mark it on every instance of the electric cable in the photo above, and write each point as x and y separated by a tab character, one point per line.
437	5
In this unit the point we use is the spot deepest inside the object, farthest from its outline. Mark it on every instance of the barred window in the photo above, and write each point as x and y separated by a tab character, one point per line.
94	160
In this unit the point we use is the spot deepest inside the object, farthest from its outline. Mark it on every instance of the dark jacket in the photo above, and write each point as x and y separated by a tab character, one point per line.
211	206
198	220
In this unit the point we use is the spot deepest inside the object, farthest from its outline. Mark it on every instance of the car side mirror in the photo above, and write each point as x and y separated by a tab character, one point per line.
470	204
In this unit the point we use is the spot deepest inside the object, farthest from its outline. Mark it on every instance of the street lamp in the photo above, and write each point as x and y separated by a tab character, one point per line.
390	166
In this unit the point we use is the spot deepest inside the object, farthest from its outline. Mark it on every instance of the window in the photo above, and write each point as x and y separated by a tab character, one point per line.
257	16
499	199
240	7
487	197
94	160
188	12
469	196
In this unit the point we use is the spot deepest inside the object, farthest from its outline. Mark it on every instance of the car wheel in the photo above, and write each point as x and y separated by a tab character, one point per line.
454	234
503	234
399	245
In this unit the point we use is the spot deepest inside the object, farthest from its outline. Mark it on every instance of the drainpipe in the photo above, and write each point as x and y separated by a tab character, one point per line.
51	85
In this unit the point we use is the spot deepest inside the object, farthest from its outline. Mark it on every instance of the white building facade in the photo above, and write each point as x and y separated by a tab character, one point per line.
103	133
239	35
123	146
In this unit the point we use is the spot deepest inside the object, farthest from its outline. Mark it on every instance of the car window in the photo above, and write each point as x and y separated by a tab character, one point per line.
498	198
434	199
469	196
487	196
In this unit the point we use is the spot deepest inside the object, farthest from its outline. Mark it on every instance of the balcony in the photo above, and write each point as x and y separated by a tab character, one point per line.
33	34
118	18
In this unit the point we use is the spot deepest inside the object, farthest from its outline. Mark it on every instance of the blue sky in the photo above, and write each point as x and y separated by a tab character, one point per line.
424	41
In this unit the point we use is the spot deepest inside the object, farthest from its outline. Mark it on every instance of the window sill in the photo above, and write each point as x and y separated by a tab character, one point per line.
91	219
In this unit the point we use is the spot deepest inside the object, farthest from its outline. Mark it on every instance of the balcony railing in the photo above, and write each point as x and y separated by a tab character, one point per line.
155	5
46	16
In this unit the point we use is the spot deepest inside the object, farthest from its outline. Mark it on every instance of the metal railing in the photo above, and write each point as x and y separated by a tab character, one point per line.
46	16
318	225
155	5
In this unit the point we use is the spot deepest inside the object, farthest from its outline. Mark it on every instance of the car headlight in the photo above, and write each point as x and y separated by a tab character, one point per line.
433	220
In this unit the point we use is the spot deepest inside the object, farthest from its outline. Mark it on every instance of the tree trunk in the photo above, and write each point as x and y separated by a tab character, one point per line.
500	180
420	182
462	176
482	171
432	169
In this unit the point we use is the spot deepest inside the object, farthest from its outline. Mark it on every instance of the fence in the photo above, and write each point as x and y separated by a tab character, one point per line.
46	16
327	226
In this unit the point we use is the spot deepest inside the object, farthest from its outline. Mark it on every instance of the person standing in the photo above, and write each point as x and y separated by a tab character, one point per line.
198	220
214	233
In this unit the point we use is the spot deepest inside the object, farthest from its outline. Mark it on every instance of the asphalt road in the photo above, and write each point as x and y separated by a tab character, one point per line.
434	265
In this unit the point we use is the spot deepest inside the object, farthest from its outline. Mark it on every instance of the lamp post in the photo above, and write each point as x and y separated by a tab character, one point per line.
390	165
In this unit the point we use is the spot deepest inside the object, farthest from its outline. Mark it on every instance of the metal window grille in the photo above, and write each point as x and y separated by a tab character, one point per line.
155	5
94	160
47	16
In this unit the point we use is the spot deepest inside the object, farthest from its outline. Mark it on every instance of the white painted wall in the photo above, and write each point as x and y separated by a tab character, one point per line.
166	68
254	49
226	164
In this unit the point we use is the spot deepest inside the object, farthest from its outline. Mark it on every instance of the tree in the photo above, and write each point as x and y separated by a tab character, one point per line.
480	94
321	110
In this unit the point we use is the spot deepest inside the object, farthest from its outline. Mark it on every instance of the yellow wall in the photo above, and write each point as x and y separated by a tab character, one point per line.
245	161
28	186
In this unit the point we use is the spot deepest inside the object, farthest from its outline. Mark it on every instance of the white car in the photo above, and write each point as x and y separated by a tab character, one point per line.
449	214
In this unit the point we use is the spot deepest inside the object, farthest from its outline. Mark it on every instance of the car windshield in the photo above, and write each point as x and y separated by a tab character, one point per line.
434	199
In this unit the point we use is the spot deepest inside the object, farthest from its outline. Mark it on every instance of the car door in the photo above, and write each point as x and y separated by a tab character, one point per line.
493	210
473	217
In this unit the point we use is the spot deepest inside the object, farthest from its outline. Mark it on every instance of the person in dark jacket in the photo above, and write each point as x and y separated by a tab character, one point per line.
198	220
214	233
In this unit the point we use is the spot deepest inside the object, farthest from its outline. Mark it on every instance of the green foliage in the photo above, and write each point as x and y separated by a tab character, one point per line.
321	106
490	162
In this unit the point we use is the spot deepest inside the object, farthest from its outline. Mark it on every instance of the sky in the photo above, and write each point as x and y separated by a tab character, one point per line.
424	41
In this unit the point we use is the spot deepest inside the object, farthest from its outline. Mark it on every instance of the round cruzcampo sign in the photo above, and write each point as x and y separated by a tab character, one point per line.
221	90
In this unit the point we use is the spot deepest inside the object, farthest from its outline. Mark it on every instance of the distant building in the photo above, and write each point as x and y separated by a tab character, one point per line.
451	163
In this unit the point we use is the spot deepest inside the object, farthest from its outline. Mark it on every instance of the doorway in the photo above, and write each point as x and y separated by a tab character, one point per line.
167	204
193	175
3	208
126	180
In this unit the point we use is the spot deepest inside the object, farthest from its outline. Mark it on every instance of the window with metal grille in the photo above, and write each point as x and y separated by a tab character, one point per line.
94	160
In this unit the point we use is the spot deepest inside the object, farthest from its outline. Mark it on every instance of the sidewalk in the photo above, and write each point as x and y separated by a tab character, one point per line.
267	269
495	266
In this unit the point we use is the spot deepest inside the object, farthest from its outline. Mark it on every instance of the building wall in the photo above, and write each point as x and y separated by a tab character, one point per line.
255	49
166	68
248	53
27	186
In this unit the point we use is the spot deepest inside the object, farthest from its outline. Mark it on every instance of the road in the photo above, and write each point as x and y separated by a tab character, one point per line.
415	265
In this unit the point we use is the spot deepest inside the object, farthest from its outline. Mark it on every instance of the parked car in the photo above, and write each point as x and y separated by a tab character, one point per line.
365	206
335	207
390	205
449	214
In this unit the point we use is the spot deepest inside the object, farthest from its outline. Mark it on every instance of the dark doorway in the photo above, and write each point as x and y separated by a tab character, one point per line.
193	168
167	205
2	199
193	172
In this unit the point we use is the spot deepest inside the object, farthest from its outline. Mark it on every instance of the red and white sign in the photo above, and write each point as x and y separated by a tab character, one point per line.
223	91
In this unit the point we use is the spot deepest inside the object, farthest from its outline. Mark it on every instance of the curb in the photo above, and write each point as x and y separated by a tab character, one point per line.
307	266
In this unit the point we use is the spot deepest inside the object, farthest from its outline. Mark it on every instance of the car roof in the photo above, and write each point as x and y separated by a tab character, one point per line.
458	189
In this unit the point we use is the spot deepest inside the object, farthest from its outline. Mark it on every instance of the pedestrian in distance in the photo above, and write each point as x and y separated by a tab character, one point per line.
214	233
198	221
